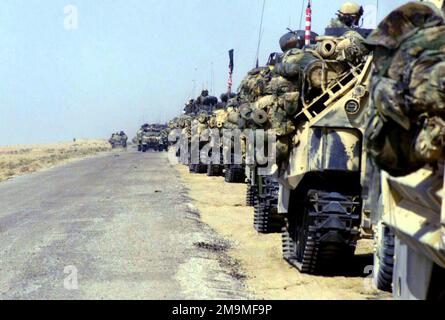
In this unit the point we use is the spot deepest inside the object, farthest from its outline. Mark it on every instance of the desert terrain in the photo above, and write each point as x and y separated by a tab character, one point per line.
16	160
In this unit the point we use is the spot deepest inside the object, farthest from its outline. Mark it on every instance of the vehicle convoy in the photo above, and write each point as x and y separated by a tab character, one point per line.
118	139
200	115
359	150
206	113
314	99
405	138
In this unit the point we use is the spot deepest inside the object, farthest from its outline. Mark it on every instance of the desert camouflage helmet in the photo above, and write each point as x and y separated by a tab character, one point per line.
350	13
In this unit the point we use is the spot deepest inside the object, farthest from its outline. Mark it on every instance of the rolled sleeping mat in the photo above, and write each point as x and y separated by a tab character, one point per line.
327	48
259	117
314	73
233	117
245	111
256	71
294	64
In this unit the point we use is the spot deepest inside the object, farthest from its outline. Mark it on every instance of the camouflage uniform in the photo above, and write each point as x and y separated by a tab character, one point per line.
406	126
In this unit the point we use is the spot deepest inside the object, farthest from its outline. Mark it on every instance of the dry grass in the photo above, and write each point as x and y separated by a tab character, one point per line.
20	159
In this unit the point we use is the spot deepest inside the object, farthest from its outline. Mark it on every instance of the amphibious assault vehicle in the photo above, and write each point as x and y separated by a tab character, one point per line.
321	188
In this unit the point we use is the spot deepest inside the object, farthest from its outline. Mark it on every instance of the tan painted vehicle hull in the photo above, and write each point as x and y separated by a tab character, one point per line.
414	210
321	187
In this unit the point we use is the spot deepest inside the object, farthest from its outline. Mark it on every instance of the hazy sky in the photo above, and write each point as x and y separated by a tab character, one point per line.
128	61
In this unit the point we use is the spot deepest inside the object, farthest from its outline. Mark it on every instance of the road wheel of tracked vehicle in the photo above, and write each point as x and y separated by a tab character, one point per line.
322	237
384	258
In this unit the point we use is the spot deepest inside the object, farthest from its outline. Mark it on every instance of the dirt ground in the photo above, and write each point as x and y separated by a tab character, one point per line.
268	276
20	159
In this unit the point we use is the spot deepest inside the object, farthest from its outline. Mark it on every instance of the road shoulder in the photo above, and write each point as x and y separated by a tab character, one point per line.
268	276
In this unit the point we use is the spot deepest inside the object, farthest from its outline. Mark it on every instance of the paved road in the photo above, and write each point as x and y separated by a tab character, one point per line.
120	224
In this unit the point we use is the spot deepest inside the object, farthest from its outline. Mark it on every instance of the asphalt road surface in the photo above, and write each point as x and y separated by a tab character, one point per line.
116	226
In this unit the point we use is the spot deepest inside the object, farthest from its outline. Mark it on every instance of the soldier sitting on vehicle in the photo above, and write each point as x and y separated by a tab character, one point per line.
348	16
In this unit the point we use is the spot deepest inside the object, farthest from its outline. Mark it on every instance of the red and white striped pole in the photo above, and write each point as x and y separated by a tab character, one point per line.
307	35
231	66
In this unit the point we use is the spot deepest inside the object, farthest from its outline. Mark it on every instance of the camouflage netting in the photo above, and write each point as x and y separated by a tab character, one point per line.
406	126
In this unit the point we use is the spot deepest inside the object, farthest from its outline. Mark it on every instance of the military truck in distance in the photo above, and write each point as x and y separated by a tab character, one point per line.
152	138
118	140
